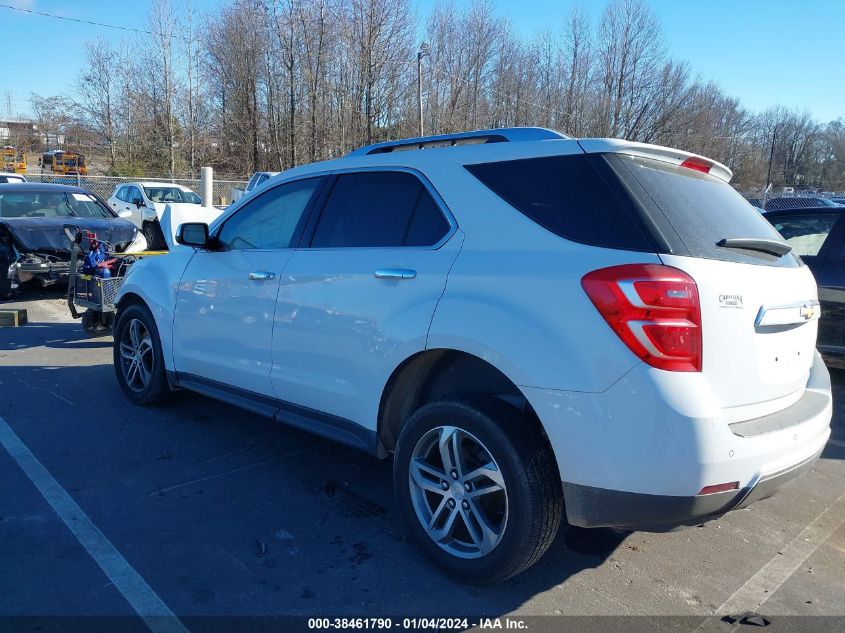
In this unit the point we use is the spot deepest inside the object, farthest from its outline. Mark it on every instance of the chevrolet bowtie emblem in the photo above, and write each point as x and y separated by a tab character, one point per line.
808	312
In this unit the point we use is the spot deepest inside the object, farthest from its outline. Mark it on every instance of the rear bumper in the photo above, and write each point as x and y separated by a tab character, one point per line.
597	507
637	455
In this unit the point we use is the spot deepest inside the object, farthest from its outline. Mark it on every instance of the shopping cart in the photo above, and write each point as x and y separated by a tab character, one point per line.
95	294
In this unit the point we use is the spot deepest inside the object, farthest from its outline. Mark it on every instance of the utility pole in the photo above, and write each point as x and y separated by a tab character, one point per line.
769	173
423	52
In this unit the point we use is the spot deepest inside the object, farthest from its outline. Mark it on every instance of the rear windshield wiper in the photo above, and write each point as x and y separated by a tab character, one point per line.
772	247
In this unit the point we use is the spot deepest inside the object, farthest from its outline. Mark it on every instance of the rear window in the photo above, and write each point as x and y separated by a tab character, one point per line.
700	209
567	196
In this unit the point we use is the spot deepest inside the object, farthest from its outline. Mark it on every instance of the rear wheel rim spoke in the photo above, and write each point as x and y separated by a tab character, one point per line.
458	492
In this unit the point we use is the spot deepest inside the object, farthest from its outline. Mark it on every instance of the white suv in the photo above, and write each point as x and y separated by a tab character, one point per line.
145	203
533	325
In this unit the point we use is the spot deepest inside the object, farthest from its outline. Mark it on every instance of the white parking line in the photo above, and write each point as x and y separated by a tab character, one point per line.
762	585
146	603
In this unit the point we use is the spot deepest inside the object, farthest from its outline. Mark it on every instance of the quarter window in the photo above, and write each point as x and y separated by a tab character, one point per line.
270	220
565	195
379	209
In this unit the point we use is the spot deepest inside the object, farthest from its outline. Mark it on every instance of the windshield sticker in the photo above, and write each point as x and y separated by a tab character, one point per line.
82	197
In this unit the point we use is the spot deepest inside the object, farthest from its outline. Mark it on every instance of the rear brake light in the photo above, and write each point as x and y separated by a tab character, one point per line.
698	164
654	309
709	490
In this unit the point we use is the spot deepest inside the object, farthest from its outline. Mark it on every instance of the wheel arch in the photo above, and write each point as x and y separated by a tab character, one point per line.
440	374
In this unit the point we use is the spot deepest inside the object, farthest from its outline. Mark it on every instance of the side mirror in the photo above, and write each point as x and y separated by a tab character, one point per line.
138	203
193	234
125	214
73	234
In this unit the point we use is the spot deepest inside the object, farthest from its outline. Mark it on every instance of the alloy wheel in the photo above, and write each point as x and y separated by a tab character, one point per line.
458	492
136	355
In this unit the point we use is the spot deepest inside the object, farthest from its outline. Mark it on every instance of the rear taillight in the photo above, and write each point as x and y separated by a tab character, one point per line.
654	309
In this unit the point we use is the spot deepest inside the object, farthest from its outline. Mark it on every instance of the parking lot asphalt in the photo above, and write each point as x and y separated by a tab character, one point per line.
219	512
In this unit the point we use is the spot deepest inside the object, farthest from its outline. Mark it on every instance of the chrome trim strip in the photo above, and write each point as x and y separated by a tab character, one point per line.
811	304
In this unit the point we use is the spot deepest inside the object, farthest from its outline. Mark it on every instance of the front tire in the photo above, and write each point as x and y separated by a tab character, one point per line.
138	361
153	235
478	487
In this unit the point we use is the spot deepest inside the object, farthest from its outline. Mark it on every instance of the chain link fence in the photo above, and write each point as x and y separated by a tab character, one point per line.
104	186
773	201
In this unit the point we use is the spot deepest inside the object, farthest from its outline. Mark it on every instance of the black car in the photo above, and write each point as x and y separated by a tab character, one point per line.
33	244
817	235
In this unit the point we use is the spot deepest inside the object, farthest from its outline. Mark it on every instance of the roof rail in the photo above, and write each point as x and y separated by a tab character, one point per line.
498	135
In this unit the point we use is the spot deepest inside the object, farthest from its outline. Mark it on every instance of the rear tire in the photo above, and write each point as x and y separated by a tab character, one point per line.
153	235
138	361
504	490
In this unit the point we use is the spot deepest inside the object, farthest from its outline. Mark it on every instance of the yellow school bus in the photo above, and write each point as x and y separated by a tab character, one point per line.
69	163
13	161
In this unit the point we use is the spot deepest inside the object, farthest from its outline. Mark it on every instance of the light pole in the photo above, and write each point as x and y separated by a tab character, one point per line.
423	52
771	157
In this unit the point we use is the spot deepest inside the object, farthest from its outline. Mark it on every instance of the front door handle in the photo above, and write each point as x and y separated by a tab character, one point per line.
395	273
261	276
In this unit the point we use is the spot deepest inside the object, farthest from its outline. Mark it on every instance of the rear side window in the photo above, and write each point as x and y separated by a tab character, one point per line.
701	209
805	233
567	196
379	209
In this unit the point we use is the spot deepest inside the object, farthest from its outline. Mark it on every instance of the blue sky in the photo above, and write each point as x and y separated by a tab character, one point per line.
764	52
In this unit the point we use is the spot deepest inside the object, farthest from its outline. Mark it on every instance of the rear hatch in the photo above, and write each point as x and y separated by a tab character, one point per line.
759	305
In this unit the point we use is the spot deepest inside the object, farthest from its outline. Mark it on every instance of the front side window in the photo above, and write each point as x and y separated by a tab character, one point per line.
379	209
269	221
805	233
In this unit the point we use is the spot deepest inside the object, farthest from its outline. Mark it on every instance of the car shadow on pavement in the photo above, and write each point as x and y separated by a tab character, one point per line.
225	512
31	292
50	334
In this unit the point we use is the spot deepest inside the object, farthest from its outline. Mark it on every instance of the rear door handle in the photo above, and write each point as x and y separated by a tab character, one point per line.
395	273
261	276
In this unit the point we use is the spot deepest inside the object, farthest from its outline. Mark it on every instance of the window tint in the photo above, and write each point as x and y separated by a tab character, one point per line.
121	194
567	196
700	209
379	209
427	226
806	234
270	220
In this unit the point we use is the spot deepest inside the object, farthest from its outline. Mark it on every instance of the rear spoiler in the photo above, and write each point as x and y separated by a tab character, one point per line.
656	152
